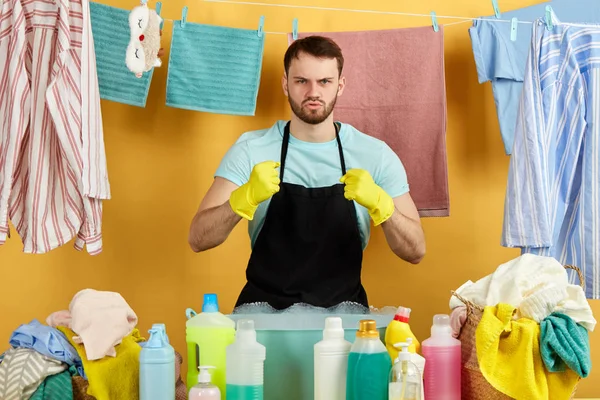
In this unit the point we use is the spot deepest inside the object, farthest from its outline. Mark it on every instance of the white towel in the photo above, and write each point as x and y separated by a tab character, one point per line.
535	285
100	319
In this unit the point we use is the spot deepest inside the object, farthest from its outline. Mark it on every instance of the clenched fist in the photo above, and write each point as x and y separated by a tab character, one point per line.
263	183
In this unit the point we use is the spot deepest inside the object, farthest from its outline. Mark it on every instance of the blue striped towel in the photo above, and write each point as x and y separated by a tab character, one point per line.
110	28
214	69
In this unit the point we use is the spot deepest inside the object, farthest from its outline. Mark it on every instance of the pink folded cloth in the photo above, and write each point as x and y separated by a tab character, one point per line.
457	320
395	91
100	319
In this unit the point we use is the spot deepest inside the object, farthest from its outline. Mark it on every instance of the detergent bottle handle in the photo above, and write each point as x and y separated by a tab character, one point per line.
189	313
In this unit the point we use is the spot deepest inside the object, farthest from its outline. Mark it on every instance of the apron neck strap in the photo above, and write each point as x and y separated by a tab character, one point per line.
286	139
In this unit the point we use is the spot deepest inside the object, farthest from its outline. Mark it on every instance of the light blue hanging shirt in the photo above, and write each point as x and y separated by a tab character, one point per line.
502	61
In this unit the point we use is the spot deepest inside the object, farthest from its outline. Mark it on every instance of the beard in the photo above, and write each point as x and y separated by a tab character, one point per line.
313	117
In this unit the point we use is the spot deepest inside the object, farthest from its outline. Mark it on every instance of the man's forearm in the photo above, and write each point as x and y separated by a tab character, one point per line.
405	237
212	226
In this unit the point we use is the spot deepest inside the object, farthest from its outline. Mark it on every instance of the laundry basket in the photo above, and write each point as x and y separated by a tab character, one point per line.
474	386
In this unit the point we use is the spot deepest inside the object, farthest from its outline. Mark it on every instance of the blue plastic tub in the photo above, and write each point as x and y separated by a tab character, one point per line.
290	339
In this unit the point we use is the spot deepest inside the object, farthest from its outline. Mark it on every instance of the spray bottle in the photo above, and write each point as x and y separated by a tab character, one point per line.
406	382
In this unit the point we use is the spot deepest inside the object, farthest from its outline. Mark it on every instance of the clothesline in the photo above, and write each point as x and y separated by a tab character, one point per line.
465	19
286	33
429	16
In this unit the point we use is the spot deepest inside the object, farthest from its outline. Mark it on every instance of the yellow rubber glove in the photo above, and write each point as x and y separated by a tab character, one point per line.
361	188
263	183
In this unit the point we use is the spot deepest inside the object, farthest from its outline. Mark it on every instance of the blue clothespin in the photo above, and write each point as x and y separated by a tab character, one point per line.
513	28
434	21
261	25
295	29
184	16
143	2
549	24
158	8
496	8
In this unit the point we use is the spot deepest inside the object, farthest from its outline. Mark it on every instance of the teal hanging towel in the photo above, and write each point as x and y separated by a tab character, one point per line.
214	69
110	28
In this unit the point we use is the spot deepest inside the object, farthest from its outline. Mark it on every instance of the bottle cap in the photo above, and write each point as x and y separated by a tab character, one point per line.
211	303
204	375
333	328
367	329
441	325
245	330
163	331
402	314
156	339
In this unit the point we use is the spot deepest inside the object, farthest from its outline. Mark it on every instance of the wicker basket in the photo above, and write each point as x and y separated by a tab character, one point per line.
474	386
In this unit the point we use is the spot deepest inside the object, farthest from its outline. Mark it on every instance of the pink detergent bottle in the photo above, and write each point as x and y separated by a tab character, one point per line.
442	354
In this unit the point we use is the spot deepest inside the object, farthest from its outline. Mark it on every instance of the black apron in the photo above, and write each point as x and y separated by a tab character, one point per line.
309	249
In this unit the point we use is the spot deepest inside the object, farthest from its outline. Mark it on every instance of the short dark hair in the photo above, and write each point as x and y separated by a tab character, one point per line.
316	46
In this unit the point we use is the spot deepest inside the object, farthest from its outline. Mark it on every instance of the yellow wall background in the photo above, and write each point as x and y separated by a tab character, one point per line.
161	162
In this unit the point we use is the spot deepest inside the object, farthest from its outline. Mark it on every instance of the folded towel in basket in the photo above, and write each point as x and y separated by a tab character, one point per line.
508	353
564	343
110	28
214	69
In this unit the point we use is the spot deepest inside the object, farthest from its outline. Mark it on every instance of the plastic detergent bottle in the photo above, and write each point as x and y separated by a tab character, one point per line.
331	362
157	366
398	331
207	335
204	390
442	355
406	381
245	364
369	365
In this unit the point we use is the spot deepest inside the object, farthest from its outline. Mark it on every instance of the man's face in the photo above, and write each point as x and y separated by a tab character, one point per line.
312	86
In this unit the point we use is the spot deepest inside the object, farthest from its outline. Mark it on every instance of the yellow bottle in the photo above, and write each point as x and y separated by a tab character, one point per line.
398	331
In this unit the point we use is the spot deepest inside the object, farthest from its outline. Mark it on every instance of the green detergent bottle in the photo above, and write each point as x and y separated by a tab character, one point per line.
369	365
207	336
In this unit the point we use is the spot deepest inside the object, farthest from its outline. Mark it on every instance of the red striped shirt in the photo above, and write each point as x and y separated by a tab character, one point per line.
55	164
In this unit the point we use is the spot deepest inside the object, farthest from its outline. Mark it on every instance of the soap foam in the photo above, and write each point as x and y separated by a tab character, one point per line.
302	316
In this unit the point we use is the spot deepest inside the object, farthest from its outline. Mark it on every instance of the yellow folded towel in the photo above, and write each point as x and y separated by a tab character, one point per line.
112	378
508	352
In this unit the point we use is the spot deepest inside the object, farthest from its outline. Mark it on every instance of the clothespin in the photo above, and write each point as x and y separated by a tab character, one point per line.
496	8
158	8
549	24
513	28
295	29
434	21
184	16
143	2
261	24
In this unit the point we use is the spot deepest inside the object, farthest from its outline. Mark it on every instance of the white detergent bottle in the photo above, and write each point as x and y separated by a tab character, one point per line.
331	362
204	390
245	364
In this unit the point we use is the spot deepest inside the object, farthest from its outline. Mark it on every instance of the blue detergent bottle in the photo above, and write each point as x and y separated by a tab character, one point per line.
157	366
369	365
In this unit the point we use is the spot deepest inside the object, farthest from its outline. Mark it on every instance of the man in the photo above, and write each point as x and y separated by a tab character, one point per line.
309	188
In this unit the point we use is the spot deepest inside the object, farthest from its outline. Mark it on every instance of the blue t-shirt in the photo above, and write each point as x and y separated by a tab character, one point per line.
502	61
314	165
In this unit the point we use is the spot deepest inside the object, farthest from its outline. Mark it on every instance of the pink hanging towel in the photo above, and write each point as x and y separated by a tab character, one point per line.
395	91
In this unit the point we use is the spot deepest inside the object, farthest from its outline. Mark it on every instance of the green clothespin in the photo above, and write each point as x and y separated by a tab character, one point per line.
434	21
184	16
